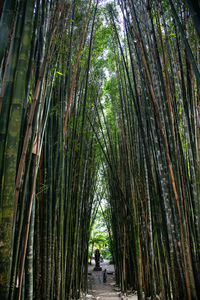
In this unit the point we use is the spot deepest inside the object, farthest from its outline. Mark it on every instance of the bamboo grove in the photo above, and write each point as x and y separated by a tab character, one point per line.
95	92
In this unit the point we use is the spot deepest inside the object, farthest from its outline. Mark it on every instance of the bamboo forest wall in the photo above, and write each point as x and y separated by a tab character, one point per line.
99	92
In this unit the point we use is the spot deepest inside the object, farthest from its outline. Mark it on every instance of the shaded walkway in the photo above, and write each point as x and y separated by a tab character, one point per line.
103	291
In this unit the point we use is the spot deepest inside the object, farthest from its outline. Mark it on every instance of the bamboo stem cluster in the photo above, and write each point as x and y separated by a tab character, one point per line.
47	181
154	193
66	123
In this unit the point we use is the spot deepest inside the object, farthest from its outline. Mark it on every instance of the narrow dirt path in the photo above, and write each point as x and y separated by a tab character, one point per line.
104	291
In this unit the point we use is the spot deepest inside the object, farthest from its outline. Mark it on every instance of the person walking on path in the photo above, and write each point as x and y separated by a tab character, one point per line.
104	276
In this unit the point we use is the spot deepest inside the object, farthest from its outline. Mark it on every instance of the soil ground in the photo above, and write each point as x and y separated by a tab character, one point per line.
104	291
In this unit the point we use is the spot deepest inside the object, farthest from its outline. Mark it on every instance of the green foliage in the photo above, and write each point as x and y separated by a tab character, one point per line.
59	73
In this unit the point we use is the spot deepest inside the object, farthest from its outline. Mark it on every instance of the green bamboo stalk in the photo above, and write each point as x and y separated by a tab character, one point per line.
11	147
6	25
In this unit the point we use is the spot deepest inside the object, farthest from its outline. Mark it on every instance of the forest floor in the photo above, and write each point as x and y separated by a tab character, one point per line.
104	291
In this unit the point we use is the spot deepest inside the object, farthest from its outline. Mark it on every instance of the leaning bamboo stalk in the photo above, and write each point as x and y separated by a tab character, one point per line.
28	221
26	138
187	46
36	151
76	68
